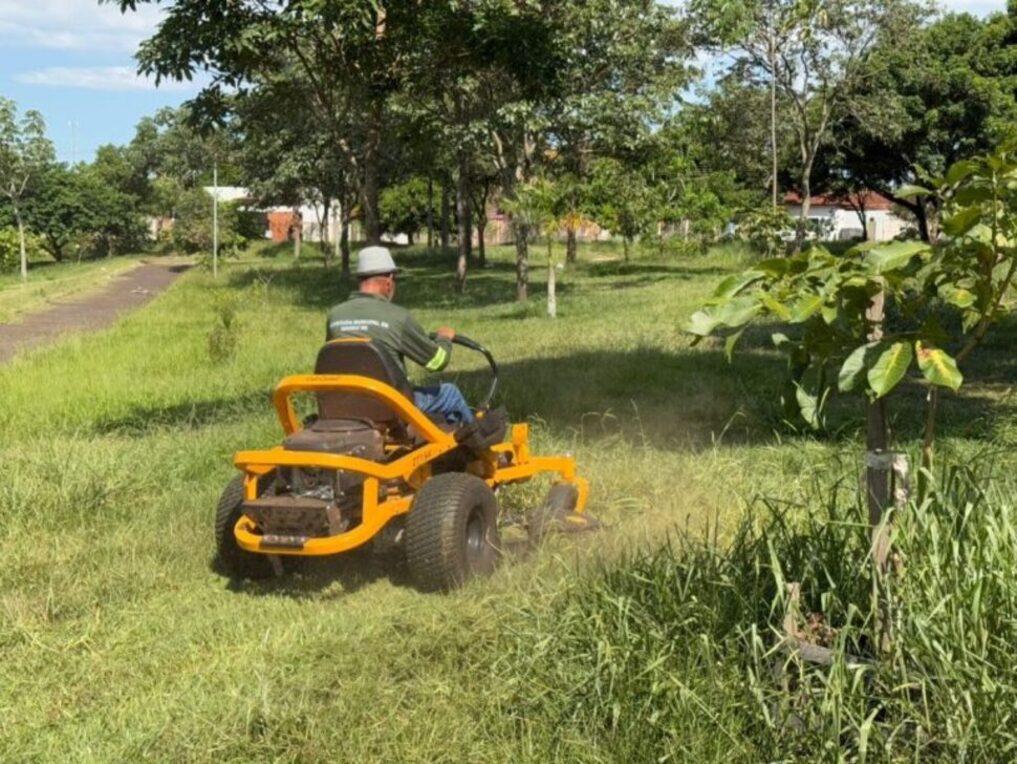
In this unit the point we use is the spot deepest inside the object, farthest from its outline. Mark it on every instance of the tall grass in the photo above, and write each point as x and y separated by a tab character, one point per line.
677	654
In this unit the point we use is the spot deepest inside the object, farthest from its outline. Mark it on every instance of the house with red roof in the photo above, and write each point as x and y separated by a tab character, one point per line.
841	217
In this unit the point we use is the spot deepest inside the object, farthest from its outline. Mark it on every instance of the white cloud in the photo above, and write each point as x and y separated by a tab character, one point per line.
75	25
96	78
975	7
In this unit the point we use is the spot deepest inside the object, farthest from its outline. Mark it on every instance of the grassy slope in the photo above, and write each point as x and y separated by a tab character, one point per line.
49	281
120	641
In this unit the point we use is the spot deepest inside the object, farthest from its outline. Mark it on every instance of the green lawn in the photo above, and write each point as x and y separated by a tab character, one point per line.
121	642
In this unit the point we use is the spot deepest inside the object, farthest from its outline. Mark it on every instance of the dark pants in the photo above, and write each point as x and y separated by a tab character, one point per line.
444	399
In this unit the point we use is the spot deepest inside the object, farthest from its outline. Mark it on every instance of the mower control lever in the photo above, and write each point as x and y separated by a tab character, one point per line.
466	342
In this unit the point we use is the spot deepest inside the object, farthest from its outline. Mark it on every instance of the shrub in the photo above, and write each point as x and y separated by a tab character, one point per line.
10	248
765	229
224	338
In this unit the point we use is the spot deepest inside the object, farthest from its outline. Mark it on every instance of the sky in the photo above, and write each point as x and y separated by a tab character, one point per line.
73	61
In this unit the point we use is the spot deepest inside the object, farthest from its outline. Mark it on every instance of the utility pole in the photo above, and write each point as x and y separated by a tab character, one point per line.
215	218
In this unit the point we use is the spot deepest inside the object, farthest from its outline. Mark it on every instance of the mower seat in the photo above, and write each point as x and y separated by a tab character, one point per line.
365	358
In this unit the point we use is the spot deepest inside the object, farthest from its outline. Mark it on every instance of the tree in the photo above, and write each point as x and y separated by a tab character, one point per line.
813	53
620	200
55	209
404	208
24	153
623	63
350	56
539	205
947	92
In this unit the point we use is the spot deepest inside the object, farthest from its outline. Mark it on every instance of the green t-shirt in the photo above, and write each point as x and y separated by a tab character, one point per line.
368	315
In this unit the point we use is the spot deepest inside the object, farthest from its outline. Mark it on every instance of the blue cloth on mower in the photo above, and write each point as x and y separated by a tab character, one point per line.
446	400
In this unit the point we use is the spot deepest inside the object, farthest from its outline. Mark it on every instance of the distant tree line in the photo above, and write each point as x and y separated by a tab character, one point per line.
408	118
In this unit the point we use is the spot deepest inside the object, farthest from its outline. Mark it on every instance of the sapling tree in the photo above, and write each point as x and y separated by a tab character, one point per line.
25	152
541	206
837	306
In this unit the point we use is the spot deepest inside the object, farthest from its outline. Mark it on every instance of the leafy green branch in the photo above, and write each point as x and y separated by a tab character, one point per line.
862	321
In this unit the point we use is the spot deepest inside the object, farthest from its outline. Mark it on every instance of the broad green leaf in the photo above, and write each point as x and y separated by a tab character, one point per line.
735	283
938	367
894	255
810	398
738	311
853	370
829	312
775	306
962	221
890	367
972	195
960	170
962	298
731	342
774	266
909	191
806	307
702	323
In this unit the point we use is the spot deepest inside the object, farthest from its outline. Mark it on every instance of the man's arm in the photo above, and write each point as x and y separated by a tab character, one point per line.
433	355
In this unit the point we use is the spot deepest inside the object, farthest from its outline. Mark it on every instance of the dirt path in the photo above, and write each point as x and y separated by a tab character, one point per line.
90	312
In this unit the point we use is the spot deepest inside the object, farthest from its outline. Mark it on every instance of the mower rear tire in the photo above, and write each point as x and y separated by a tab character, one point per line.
452	532
236	561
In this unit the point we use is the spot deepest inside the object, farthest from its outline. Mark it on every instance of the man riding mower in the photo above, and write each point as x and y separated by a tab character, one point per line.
371	466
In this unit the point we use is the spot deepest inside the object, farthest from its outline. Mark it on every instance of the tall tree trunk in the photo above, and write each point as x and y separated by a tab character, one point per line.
552	295
336	234
462	223
803	218
481	250
469	224
430	212
522	261
446	213
916	208
372	172
326	206
773	113
625	247
297	229
570	243
344	238
21	243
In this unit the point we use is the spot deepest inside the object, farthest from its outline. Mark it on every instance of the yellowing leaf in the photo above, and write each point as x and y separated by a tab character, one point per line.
938	367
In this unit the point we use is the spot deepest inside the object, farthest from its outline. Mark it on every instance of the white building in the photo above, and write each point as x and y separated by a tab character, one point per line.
840	218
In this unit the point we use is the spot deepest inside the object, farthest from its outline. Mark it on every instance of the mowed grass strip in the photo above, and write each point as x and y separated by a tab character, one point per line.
120	639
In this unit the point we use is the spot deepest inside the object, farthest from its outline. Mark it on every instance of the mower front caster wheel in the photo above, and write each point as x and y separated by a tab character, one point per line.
452	532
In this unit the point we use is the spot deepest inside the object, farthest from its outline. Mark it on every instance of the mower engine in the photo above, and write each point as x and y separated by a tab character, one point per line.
309	502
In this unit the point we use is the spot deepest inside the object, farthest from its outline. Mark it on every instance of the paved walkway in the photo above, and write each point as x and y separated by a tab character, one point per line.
89	312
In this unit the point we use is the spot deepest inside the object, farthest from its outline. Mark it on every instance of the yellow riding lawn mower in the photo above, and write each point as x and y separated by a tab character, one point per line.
370	467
